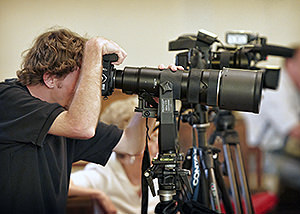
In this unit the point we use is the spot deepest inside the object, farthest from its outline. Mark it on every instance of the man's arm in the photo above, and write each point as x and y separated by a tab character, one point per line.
133	139
81	119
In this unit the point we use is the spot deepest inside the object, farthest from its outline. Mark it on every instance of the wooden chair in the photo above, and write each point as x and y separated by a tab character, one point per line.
83	205
251	154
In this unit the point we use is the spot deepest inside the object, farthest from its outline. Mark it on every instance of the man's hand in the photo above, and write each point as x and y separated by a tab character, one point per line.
171	66
110	47
96	47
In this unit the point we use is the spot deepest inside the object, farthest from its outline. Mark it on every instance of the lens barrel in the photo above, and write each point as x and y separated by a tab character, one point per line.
240	90
231	89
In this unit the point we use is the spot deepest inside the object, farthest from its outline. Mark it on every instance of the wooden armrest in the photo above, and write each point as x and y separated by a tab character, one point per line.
254	150
80	163
83	205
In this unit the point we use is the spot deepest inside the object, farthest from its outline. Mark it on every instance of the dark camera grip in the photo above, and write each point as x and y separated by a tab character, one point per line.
110	57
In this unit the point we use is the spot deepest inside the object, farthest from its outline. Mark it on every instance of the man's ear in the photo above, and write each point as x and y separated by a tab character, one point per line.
49	80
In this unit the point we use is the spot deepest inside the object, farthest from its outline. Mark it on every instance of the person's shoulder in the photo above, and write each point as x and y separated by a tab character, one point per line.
11	83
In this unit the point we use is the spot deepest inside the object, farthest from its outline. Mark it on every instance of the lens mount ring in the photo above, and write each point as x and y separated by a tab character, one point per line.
218	86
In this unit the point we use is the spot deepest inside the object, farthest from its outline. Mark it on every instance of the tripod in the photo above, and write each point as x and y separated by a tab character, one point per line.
166	167
224	123
211	180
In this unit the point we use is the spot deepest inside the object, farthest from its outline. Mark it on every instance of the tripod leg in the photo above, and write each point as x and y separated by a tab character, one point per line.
204	197
243	179
232	179
206	156
213	189
224	192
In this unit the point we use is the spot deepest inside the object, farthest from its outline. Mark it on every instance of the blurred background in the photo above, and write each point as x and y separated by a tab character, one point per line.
143	28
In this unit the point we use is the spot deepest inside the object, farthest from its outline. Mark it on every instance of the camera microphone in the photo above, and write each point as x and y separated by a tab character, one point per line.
274	50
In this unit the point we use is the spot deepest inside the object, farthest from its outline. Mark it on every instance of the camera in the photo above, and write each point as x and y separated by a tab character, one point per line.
243	51
226	77
233	89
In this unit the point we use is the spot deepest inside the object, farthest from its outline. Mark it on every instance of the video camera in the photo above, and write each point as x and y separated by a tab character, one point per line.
227	77
243	50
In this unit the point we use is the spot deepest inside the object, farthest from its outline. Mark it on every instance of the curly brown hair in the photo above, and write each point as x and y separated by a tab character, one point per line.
57	52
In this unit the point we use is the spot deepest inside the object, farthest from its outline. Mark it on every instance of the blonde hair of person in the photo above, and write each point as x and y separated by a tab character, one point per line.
119	112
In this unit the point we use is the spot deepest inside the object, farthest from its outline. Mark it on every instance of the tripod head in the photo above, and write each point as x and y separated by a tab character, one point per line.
224	120
196	116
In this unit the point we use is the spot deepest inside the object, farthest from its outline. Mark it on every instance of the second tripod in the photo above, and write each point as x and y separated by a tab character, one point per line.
211	180
224	123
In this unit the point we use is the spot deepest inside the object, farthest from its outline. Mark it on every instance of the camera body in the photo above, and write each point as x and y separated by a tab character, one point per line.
243	51
108	74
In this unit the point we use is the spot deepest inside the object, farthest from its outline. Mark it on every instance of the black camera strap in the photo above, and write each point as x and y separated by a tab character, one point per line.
145	166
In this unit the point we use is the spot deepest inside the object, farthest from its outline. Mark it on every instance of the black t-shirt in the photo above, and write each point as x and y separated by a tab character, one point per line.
35	166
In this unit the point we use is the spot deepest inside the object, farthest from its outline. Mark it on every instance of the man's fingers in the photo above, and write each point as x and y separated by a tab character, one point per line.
161	66
180	68
121	57
173	67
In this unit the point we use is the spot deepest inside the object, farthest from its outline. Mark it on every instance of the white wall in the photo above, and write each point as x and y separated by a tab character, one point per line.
142	28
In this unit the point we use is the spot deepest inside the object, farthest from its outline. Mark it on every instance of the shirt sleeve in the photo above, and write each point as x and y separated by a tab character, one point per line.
99	148
24	118
280	108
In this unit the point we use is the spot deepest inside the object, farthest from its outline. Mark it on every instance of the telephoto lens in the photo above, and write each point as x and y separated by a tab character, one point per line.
231	89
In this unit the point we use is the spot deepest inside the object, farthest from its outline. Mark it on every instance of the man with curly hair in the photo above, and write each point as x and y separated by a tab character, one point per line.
49	119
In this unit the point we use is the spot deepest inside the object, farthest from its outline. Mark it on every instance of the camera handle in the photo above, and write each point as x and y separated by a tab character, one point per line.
166	166
224	123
